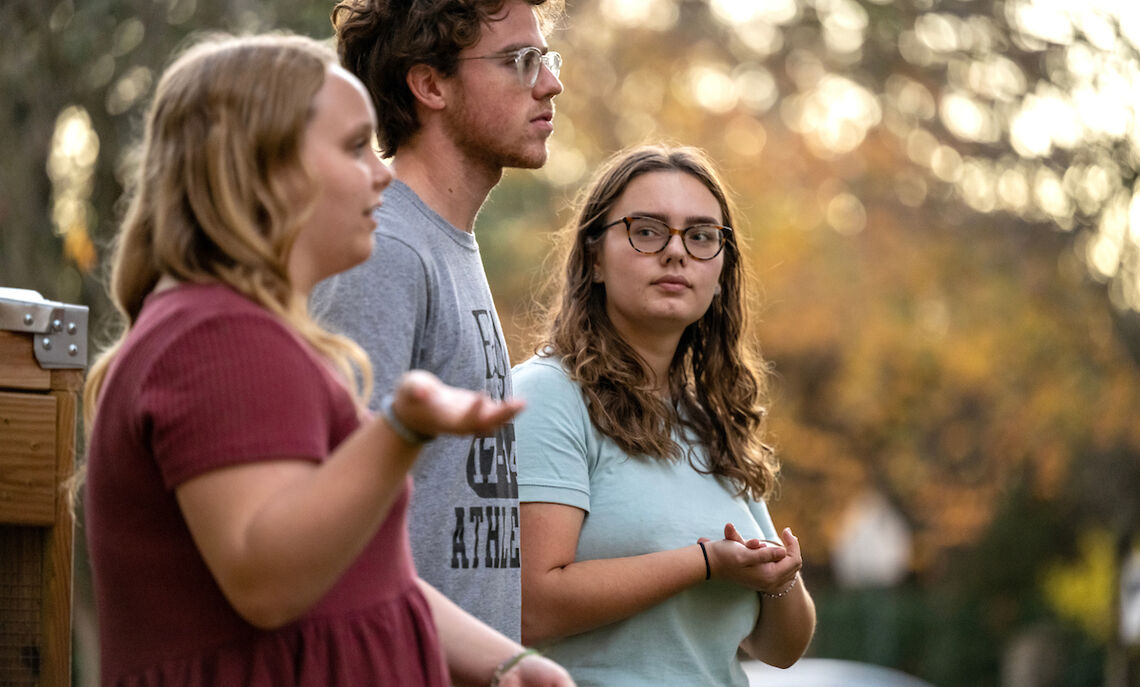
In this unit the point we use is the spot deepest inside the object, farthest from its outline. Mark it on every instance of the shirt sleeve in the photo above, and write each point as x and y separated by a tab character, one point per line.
553	435
234	390
382	305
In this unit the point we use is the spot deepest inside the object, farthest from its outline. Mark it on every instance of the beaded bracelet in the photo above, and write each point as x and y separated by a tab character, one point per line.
787	589
511	662
405	432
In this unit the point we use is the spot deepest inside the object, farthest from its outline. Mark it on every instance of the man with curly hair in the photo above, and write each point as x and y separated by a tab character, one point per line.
462	90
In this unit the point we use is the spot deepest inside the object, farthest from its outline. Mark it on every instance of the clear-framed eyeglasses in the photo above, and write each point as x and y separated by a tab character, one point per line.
529	61
651	235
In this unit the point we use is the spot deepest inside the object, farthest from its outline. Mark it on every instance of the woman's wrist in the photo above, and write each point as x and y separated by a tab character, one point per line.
783	592
705	553
509	664
408	434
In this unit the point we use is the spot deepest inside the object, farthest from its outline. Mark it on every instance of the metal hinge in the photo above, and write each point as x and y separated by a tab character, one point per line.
59	329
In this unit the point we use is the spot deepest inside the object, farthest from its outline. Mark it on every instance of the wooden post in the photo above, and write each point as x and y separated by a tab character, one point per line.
38	417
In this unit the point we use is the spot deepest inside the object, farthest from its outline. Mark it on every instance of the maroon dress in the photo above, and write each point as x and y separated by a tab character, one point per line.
207	379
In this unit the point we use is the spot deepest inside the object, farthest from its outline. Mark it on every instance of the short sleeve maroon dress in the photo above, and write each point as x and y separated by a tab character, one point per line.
205	380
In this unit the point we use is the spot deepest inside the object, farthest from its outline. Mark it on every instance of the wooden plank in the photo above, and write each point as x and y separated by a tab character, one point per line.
28	458
67	380
57	583
19	368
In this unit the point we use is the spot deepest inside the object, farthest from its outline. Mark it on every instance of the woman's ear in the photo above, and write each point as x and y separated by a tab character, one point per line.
426	85
596	276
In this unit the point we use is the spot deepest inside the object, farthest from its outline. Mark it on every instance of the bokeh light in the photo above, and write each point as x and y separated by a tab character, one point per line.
70	166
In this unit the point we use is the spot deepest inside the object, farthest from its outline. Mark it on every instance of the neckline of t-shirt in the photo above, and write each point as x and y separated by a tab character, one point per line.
465	239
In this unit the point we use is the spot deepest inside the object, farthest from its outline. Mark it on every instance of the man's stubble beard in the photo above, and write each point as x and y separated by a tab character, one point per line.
482	142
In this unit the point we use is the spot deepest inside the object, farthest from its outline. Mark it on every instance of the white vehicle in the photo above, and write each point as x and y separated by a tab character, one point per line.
828	672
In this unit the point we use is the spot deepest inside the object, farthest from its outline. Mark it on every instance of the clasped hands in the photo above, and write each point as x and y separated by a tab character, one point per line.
761	565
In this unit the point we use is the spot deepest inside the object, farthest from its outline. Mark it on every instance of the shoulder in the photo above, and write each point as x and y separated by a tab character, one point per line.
544	368
200	309
549	393
401	242
197	301
557	447
396	270
207	362
404	223
542	376
396	253
212	325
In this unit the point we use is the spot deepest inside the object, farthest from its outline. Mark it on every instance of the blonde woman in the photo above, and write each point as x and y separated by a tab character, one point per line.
245	517
648	554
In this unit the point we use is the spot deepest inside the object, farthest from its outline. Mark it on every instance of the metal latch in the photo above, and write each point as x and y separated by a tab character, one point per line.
60	329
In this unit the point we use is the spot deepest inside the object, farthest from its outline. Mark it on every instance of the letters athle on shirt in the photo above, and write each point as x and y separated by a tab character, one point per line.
486	535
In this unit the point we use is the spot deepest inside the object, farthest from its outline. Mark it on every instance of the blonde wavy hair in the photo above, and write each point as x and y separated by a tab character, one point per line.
221	191
717	383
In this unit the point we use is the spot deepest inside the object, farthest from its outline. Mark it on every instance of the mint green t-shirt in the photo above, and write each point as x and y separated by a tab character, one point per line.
635	506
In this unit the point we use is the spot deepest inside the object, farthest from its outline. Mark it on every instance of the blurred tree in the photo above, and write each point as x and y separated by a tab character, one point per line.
936	191
76	78
938	197
925	236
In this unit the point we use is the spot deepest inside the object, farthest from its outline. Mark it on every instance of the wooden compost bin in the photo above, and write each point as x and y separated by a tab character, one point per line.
43	350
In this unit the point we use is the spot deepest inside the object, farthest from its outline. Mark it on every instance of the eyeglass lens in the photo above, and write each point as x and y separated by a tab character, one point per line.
530	62
648	235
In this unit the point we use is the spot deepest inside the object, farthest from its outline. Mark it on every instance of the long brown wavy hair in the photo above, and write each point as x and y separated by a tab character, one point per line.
380	40
717	382
221	190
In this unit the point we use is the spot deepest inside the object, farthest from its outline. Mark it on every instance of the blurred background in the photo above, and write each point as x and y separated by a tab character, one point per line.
941	209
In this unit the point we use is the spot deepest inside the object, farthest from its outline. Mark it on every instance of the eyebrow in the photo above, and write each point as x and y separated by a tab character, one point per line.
364	128
515	47
689	221
352	134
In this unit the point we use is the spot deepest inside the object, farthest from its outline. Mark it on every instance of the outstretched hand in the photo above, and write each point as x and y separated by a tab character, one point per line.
762	565
431	407
537	671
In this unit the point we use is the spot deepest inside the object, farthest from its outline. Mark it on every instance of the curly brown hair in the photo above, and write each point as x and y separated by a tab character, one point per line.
717	382
380	40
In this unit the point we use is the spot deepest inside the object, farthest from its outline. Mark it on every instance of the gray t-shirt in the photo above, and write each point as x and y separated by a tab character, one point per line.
421	301
635	506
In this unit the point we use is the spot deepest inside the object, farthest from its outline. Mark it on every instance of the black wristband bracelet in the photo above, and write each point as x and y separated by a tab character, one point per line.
708	568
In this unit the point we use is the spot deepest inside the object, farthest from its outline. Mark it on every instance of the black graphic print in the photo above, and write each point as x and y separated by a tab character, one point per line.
487	535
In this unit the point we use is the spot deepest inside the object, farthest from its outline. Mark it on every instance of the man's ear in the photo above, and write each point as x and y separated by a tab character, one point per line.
427	87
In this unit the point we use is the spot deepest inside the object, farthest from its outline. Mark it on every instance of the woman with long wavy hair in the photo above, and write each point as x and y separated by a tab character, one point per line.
245	516
648	554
